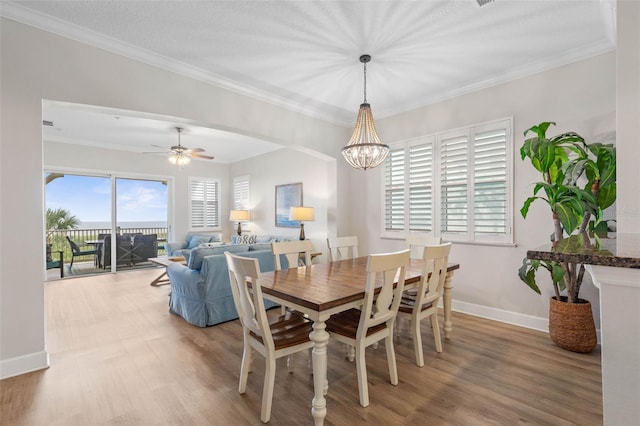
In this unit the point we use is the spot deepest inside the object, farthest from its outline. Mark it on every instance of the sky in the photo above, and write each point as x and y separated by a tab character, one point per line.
89	198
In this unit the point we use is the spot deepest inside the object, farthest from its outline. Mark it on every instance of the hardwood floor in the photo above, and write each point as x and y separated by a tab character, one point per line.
119	357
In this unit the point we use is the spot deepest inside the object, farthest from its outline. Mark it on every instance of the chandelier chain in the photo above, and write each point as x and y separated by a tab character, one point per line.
365	82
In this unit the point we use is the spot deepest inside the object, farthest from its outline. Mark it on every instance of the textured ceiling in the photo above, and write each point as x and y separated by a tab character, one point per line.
304	54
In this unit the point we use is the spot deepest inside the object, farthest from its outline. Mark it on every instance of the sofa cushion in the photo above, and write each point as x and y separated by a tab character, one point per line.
262	246
260	239
194	241
198	253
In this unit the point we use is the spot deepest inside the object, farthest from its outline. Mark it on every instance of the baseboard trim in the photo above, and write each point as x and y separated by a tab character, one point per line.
508	317
23	364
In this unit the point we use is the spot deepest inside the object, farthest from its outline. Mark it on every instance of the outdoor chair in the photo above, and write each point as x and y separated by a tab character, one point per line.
77	251
144	247
123	250
52	264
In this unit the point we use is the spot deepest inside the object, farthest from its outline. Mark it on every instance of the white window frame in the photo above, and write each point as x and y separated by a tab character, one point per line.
469	236
214	223
242	197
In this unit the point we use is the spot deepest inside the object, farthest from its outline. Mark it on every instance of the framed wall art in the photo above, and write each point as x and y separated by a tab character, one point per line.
287	196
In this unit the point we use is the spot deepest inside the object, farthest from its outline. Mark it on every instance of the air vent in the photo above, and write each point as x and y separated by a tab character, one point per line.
47	123
483	2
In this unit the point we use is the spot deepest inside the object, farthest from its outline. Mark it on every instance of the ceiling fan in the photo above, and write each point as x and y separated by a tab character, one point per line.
180	154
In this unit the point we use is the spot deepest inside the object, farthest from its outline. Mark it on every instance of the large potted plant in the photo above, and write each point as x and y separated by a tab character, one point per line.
578	184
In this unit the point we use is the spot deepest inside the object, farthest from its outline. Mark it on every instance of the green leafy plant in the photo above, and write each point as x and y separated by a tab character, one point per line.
564	161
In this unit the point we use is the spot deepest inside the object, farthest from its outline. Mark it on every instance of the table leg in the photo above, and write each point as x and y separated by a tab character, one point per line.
160	281
446	302
320	339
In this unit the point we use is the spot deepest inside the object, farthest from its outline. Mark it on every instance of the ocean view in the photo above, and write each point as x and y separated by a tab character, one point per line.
133	224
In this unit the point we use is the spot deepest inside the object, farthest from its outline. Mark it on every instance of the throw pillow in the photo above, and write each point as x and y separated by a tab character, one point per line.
212	244
246	239
196	240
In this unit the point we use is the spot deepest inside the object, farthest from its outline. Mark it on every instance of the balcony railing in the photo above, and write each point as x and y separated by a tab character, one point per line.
58	241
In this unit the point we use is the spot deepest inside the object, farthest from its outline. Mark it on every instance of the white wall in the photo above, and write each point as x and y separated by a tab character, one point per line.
37	65
579	97
284	167
628	108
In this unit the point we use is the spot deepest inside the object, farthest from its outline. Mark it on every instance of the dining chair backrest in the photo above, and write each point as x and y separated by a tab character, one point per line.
417	243
342	248
382	307
434	273
244	275
291	250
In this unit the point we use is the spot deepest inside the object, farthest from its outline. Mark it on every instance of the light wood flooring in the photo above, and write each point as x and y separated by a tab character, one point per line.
119	357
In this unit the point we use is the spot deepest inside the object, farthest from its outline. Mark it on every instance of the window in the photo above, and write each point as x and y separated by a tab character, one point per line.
456	185
241	193
204	202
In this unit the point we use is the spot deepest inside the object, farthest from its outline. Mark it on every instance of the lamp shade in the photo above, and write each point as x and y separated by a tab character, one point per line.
303	214
239	215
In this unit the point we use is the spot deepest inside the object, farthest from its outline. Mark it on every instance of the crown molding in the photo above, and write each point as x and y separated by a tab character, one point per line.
54	25
567	58
80	34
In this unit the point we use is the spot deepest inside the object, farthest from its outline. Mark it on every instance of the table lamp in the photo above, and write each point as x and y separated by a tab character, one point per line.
303	214
240	216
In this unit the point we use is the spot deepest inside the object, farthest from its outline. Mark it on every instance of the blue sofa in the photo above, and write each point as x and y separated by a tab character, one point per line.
201	291
193	240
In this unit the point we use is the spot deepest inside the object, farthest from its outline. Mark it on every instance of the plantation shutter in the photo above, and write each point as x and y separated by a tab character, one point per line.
241	193
490	182
453	184
394	191
421	188
204	203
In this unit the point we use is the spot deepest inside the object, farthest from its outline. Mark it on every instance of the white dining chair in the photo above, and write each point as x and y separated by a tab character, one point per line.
374	321
284	336
421	303
292	251
417	243
341	248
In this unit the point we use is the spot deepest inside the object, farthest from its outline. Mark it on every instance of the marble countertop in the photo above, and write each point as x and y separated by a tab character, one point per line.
620	250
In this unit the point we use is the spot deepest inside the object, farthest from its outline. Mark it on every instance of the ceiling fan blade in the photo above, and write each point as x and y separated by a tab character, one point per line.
197	150
161	147
206	157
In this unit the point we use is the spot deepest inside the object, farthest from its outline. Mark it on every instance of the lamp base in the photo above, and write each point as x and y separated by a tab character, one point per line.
302	231
239	228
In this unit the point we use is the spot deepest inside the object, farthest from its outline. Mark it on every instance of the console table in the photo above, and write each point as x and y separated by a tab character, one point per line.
614	265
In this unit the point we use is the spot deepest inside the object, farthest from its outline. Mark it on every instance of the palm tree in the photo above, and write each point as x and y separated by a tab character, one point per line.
59	219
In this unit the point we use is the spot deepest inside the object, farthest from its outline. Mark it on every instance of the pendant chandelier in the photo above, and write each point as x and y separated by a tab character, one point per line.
365	150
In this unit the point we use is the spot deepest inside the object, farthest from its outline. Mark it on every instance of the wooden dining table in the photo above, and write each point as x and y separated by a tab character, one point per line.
325	289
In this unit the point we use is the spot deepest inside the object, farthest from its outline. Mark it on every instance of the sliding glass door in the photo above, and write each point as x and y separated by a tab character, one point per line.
141	221
98	224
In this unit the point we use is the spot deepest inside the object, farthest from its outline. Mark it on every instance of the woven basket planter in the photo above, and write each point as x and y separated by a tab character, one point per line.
571	325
